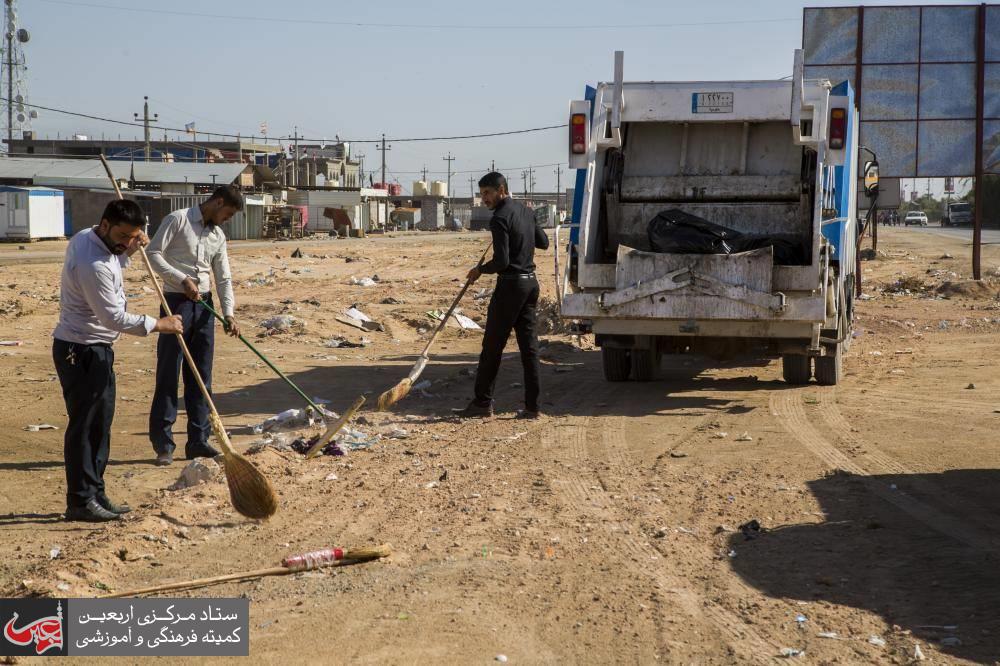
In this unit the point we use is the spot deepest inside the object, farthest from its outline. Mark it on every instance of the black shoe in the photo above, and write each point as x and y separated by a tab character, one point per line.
164	459
106	502
201	451
93	512
475	411
528	414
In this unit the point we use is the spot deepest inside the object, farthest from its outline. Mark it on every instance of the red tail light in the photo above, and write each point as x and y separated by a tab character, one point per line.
838	128
578	133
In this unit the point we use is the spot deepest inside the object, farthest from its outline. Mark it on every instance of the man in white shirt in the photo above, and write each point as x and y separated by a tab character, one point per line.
187	250
92	314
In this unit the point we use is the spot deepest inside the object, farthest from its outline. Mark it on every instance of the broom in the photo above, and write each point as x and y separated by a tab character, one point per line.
328	557
402	389
249	490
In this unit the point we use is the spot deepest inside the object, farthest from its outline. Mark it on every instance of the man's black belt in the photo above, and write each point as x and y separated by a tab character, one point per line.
516	276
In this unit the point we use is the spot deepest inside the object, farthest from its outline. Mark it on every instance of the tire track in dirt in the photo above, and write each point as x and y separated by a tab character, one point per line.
787	406
733	633
880	462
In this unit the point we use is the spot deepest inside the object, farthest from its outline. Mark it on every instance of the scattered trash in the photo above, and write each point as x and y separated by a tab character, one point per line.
751	530
732	553
800	619
971	386
422	385
55	552
897	372
875	640
827	634
358	319
278	442
874	353
11	343
340	342
951	641
431	485
391	301
720	435
892	486
502	658
330	477
40	426
282	323
290	419
398	433
199	470
745	437
918	654
363	282
678	454
466	323
946	256
485	292
792	652
297	254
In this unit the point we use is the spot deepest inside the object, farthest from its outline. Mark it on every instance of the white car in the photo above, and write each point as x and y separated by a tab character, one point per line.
915	217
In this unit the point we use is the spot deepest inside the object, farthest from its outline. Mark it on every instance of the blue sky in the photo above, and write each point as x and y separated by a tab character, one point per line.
294	66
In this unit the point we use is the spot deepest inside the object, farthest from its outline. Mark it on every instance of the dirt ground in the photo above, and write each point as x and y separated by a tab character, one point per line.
606	532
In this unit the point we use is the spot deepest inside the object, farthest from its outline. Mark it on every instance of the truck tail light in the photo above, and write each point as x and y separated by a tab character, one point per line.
838	128
578	133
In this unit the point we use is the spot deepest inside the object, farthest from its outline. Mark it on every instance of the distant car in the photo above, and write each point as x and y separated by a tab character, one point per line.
915	217
958	215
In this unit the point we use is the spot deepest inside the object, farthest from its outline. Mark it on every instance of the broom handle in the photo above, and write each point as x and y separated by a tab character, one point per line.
454	304
223	438
288	381
296	563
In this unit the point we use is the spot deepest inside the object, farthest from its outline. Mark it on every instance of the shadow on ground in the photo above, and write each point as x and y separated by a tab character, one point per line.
885	557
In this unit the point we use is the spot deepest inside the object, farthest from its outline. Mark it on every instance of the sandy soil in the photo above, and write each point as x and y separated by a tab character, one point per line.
606	532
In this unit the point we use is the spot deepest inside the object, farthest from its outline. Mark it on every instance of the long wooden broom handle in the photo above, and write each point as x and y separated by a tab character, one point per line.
454	304
223	439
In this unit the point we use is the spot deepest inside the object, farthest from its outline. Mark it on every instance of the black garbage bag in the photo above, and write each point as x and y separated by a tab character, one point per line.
676	232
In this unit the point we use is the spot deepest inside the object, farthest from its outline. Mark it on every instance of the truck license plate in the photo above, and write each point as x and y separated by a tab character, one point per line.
712	102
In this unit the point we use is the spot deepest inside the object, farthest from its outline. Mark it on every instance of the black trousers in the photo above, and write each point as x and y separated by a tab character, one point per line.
87	376
199	335
512	307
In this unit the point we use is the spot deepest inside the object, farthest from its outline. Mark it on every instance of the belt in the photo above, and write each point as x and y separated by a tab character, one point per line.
516	276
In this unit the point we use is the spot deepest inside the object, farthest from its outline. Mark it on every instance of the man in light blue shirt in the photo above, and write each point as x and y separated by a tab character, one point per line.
92	315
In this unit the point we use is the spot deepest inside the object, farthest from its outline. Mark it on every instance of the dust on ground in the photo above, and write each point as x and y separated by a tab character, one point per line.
607	532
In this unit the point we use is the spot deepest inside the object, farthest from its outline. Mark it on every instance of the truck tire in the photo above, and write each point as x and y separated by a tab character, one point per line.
830	368
616	364
795	368
645	364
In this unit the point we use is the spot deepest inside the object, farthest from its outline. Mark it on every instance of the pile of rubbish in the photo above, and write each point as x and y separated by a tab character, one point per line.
282	324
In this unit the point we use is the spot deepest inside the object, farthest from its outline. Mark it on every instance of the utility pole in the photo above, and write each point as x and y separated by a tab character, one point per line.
449	160
295	156
493	165
558	183
472	189
424	173
145	123
531	179
384	148
524	180
361	169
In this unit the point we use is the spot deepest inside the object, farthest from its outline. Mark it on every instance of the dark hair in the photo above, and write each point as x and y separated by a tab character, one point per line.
495	180
123	211
230	196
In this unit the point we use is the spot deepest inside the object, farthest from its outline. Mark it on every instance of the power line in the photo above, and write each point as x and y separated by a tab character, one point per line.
417	26
301	138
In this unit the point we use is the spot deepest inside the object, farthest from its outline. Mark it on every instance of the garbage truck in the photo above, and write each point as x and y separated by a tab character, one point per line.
716	218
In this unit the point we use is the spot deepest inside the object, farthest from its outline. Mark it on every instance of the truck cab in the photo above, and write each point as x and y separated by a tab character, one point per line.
716	218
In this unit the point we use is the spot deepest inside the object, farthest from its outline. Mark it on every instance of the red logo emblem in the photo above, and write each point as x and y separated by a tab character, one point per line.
46	632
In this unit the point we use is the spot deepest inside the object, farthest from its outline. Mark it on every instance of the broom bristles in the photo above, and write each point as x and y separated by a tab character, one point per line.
368	553
395	394
249	489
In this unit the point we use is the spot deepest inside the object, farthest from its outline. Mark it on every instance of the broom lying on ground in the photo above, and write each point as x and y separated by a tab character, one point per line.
402	389
250	491
328	557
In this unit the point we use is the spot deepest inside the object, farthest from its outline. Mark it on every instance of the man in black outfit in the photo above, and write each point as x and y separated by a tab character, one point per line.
515	237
